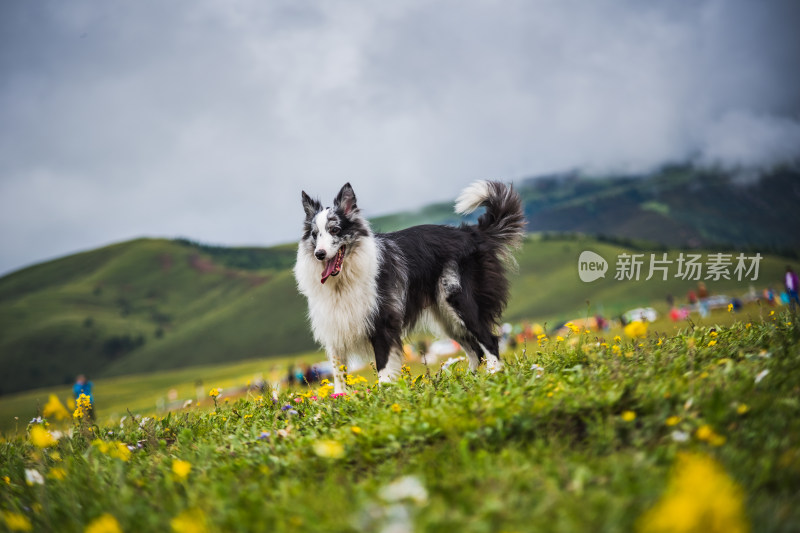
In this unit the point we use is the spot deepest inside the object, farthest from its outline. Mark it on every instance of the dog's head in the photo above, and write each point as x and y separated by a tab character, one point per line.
331	233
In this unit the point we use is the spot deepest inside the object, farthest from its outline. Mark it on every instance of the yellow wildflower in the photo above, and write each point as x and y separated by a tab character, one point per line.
617	338
742	409
41	438
7	480
324	391
673	421
117	450
748	325
82	406
105	523
396	408
55	409
717	440
189	521
730	307
636	329
713	334
700	496
57	473
356	430
16	521
181	469
704	432
213	392
330	449
628	416
559	338
712	342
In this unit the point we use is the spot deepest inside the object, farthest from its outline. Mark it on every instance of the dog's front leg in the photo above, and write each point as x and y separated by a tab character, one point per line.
338	362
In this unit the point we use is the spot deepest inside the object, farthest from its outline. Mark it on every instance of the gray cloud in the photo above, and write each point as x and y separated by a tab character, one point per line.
205	119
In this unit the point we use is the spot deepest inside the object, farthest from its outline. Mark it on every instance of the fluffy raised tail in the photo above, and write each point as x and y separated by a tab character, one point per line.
503	221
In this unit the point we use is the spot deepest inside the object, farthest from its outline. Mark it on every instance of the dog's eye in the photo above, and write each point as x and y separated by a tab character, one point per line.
334	231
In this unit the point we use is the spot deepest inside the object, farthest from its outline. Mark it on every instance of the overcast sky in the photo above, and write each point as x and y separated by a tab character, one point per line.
205	119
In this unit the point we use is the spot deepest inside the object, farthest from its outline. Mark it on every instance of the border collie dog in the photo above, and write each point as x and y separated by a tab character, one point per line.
367	290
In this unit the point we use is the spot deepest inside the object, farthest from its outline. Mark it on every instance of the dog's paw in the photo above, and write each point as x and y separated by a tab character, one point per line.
493	365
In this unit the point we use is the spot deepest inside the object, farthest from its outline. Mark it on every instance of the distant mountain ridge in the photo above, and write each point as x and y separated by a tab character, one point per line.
676	206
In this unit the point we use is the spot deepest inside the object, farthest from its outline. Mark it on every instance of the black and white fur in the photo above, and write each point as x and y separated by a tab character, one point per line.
450	278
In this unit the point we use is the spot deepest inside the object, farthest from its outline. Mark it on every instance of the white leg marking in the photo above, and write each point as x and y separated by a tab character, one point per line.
493	363
390	372
337	361
474	360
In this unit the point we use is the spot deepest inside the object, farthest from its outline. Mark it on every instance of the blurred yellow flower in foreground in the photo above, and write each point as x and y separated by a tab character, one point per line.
41	438
181	468
700	497
118	450
189	521
105	523
55	409
57	473
636	329
628	416
16	521
330	449
673	420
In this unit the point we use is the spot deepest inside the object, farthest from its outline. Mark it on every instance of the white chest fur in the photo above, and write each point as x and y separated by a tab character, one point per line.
341	310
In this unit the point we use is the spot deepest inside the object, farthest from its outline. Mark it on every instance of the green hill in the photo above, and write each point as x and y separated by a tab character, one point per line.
154	304
143	305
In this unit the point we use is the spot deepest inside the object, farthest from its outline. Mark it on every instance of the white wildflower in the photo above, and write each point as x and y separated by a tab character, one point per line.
33	477
406	487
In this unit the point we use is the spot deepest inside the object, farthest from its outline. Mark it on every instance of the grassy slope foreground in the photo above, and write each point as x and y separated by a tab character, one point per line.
700	427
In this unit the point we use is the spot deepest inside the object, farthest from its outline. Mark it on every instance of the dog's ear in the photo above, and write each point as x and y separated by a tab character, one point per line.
311	206
346	200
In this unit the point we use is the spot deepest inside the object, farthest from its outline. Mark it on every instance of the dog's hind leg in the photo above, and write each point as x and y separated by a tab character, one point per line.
394	363
462	319
388	352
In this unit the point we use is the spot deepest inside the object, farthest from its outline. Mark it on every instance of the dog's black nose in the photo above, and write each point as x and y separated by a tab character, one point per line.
320	254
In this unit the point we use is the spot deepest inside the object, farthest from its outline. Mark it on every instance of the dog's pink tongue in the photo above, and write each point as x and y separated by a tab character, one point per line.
329	266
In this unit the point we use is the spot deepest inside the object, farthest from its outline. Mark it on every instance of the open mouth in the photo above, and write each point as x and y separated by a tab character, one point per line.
333	266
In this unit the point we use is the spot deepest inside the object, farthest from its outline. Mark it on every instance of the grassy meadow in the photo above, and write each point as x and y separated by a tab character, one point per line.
689	430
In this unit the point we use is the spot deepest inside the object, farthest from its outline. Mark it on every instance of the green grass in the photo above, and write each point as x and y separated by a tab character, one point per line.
578	443
143	394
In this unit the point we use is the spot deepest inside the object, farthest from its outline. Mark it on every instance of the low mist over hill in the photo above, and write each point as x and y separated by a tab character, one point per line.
679	206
